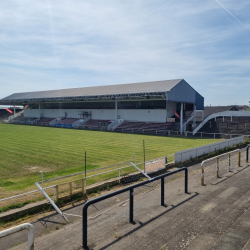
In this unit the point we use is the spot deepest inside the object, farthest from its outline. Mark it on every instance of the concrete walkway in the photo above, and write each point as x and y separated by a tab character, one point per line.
214	216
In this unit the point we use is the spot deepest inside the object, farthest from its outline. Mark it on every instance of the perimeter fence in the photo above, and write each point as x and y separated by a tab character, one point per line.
68	186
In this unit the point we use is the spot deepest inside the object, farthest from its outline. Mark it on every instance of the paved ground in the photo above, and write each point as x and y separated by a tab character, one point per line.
215	216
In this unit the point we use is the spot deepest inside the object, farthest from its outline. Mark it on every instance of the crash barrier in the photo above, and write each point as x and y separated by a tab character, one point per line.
131	200
185	155
18	228
218	163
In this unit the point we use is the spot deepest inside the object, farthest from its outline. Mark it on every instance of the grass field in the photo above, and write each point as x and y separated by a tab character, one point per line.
26	150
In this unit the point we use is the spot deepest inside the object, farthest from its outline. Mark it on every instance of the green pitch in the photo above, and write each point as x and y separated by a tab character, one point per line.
26	150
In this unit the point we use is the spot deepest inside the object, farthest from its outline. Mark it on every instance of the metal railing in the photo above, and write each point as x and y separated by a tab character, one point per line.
217	158
84	178
18	228
131	200
247	154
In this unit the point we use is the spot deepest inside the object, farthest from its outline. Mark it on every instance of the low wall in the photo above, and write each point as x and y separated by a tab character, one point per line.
199	151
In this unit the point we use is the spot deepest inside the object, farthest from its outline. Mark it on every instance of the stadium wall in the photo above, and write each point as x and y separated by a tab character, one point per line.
150	115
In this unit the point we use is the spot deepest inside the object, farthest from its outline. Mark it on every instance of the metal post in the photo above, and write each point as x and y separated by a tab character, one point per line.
239	158
57	196
186	181
247	154
229	162
162	191
181	119
131	205
85	227
83	186
51	202
116	105
54	193
217	167
202	174
201	134
85	163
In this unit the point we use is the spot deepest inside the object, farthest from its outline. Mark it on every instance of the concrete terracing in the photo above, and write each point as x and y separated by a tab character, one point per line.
214	216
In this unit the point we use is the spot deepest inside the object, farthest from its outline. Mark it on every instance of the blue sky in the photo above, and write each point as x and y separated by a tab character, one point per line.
64	44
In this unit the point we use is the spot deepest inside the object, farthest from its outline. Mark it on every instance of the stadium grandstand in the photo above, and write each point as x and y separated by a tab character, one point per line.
232	120
6	112
143	107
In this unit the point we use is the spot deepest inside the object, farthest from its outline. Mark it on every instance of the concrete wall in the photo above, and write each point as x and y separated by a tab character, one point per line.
151	115
199	151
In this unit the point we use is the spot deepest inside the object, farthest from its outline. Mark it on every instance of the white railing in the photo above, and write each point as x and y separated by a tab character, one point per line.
80	122
18	228
54	122
112	126
225	113
218	163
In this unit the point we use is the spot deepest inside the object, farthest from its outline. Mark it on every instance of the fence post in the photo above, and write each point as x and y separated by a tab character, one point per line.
57	196
229	162
239	158
201	134
217	167
131	205
162	191
202	174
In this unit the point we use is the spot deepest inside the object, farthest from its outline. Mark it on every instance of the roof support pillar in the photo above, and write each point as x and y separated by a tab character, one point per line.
181	120
14	108
194	119
116	109
39	111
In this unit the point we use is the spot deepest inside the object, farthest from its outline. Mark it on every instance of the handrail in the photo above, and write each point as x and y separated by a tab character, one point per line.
18	228
131	202
217	163
247	152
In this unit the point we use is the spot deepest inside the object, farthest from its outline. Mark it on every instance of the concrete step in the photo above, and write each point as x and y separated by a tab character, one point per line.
188	221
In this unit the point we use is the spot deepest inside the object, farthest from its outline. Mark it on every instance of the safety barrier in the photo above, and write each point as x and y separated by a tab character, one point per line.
218	163
131	200
247	156
18	228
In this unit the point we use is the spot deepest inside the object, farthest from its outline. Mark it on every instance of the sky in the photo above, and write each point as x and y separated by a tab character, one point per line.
59	44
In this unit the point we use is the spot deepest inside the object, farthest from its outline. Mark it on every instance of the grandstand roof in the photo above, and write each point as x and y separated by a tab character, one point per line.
133	90
215	109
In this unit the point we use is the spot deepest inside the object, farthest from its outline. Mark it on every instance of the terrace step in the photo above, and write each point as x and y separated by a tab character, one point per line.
215	216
